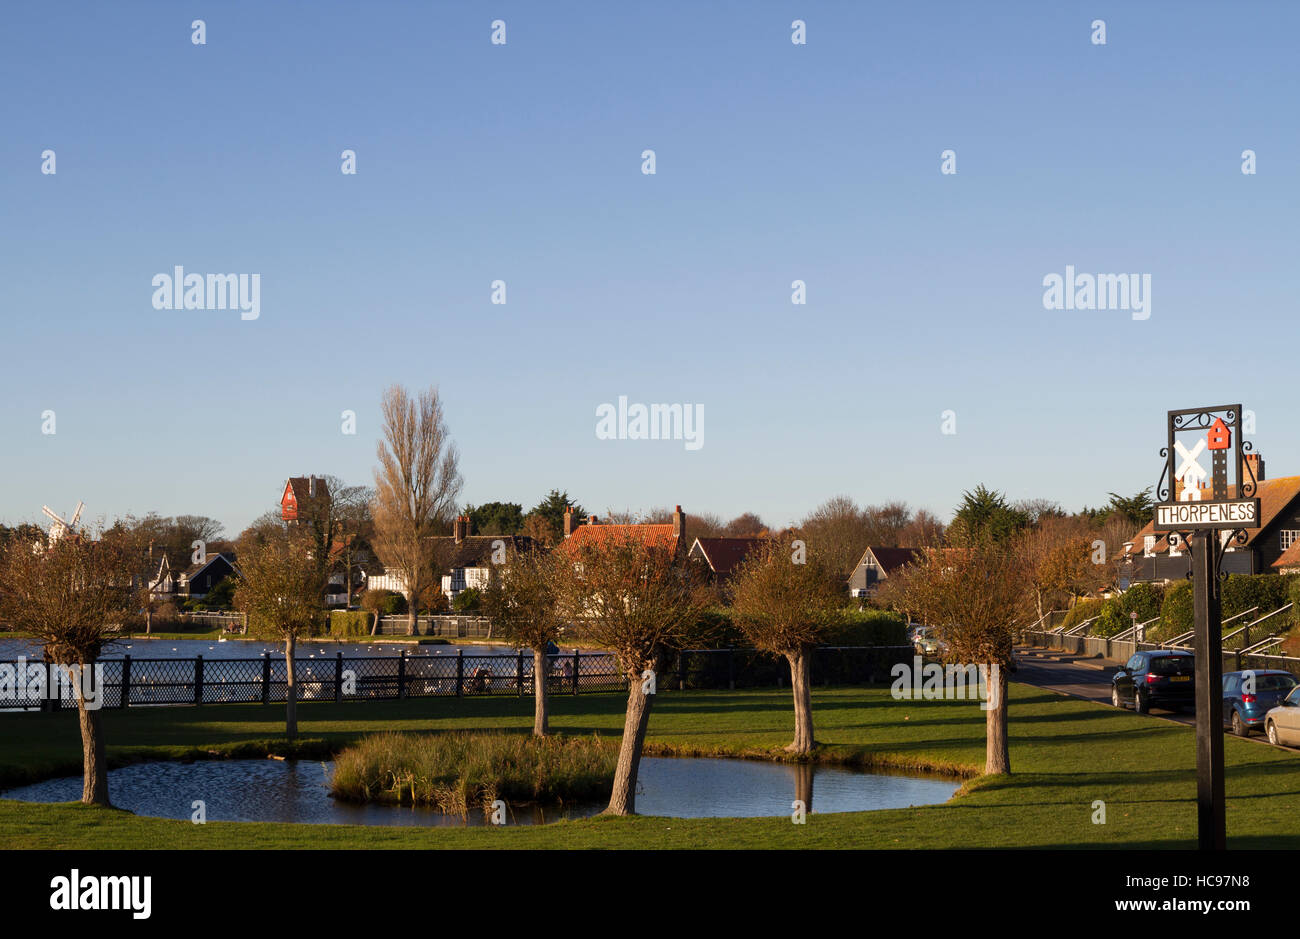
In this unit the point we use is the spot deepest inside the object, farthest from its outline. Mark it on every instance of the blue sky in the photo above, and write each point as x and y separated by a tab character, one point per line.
522	162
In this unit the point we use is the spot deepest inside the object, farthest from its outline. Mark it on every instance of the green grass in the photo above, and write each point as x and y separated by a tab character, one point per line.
1065	754
459	771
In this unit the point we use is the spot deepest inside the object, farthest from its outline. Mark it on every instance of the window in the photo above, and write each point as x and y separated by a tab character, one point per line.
1175	543
1149	545
1288	538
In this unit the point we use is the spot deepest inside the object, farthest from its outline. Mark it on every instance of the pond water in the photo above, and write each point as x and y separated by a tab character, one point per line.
298	791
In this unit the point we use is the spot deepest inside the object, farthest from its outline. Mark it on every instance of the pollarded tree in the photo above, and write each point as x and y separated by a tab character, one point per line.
71	595
523	599
279	590
638	598
973	595
416	485
784	603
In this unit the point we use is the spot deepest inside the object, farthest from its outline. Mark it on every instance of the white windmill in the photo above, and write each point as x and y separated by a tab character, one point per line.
59	527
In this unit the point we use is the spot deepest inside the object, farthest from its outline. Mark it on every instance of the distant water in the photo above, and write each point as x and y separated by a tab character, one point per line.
139	648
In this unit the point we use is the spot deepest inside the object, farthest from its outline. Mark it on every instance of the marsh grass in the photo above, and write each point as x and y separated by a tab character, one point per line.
455	772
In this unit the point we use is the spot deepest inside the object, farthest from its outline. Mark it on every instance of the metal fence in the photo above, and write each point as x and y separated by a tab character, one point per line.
1121	650
448	626
130	682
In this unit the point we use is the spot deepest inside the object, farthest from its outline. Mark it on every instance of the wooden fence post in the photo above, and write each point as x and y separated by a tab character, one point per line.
198	679
338	677
519	674
460	670
731	668
266	678
577	664
401	673
126	681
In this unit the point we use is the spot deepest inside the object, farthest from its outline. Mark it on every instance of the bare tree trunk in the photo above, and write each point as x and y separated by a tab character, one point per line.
541	711
148	619
374	627
94	763
997	751
622	800
411	621
290	690
800	667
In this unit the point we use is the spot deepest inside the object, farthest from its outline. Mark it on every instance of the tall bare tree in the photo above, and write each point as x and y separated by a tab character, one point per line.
279	590
416	485
973	596
637	598
523	599
70	595
785	603
837	534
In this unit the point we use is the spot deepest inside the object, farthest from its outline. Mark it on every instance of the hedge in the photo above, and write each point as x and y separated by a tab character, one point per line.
349	624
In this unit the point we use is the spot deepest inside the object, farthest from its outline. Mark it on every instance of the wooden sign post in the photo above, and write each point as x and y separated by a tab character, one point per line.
1207	526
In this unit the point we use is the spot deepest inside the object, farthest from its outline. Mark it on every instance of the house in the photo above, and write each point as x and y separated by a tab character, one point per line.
351	560
1149	555
302	499
461	560
162	583
876	565
669	535
465	560
723	555
199	579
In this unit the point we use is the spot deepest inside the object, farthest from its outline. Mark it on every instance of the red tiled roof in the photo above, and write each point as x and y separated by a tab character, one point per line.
1274	496
1290	557
655	535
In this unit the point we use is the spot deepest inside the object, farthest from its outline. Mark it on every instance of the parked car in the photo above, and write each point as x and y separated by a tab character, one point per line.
927	642
1282	723
1163	678
1248	696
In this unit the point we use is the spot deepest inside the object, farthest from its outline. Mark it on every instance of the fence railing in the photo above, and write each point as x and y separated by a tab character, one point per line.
1121	650
449	626
131	682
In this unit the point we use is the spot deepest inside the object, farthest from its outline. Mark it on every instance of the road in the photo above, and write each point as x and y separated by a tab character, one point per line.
1087	678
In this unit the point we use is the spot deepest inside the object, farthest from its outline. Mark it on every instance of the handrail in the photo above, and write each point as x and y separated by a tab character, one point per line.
1263	644
1253	609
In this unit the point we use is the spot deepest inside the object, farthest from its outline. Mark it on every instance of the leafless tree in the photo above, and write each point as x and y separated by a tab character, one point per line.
523	599
785	603
836	533
71	595
973	595
637	598
747	523
279	590
416	485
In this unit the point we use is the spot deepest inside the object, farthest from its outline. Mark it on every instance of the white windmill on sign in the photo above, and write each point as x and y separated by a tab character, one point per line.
58	527
1190	473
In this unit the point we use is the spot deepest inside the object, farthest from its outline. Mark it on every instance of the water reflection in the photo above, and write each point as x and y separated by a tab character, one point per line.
298	791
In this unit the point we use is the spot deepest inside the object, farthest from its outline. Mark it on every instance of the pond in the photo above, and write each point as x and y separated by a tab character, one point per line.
298	791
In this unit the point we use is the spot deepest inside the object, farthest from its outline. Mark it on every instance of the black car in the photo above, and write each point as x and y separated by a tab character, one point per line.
1163	678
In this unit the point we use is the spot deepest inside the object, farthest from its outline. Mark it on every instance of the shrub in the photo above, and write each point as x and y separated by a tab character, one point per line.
467	600
1243	591
384	602
868	628
456	771
1081	611
1176	615
1143	599
349	624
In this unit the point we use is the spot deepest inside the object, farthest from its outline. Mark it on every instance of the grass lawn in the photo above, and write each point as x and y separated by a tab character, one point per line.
1065	753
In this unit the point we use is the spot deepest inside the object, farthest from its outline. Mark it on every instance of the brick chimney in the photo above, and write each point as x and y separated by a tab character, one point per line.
458	529
679	523
591	520
1257	464
311	486
469	526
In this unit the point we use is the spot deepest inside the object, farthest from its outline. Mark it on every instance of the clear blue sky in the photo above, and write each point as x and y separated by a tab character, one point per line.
522	162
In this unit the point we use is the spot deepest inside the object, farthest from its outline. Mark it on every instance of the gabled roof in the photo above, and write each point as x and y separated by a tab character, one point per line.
1290	557
195	569
299	487
476	550
1274	497
890	559
723	554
